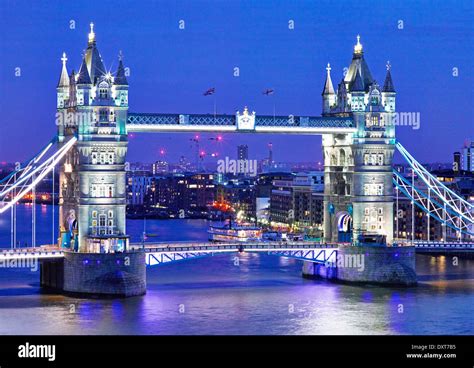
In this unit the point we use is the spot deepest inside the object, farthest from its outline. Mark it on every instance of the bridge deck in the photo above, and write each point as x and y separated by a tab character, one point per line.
294	249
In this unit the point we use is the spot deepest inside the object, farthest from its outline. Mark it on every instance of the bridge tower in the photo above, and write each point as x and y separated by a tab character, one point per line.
358	193
93	105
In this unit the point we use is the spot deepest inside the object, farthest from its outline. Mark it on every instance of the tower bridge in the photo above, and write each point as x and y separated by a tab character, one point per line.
358	143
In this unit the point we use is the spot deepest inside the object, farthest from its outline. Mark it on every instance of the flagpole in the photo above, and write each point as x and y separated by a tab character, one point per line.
215	111
273	98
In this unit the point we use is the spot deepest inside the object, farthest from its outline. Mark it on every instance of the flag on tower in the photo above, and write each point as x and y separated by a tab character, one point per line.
209	92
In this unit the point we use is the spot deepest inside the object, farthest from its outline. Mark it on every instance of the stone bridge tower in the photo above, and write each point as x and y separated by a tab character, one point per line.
92	105
358	192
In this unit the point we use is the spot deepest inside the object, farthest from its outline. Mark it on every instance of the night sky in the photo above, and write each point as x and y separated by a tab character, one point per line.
171	68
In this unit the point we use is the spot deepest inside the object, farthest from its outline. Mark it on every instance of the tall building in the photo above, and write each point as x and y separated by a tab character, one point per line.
242	152
456	161
467	163
92	174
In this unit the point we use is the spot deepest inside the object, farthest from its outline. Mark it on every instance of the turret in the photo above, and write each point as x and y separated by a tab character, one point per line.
72	89
63	85
121	84
342	98
388	91
120	94
358	93
84	85
329	96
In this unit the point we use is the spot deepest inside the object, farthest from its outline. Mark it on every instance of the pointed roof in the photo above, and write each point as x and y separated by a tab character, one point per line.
94	63
83	76
64	78
358	84
341	87
72	78
388	84
328	87
358	62
120	78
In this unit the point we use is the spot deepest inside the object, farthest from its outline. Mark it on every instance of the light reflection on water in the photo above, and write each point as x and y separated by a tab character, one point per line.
259	294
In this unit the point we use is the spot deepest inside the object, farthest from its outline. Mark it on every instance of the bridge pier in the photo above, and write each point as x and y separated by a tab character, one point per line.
52	274
368	264
96	274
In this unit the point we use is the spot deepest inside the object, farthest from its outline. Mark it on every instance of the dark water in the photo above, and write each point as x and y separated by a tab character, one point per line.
260	295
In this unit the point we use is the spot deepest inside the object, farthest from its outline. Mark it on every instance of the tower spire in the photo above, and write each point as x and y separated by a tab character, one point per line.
91	33
328	87
94	63
388	84
358	46
64	79
120	78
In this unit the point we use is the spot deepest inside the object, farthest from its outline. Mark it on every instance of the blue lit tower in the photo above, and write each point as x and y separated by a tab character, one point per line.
358	167
92	175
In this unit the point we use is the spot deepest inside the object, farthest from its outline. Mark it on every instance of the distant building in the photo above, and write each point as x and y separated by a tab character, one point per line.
297	202
137	188
456	161
182	194
160	167
467	162
263	190
241	195
184	165
242	152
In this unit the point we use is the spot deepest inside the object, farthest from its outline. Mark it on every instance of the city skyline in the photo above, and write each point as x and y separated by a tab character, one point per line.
215	45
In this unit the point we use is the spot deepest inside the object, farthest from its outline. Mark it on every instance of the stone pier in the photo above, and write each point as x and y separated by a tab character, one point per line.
368	264
96	274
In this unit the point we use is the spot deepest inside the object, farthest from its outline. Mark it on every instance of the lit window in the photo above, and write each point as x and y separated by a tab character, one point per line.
373	189
366	159
103	93
103	116
380	159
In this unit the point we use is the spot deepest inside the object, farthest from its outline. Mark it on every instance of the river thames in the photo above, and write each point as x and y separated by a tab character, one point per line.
235	294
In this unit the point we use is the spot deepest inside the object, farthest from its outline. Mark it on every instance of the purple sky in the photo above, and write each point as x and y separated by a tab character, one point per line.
171	68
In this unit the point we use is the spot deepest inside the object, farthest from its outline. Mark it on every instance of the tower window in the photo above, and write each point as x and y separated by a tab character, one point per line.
373	189
103	116
103	93
380	159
